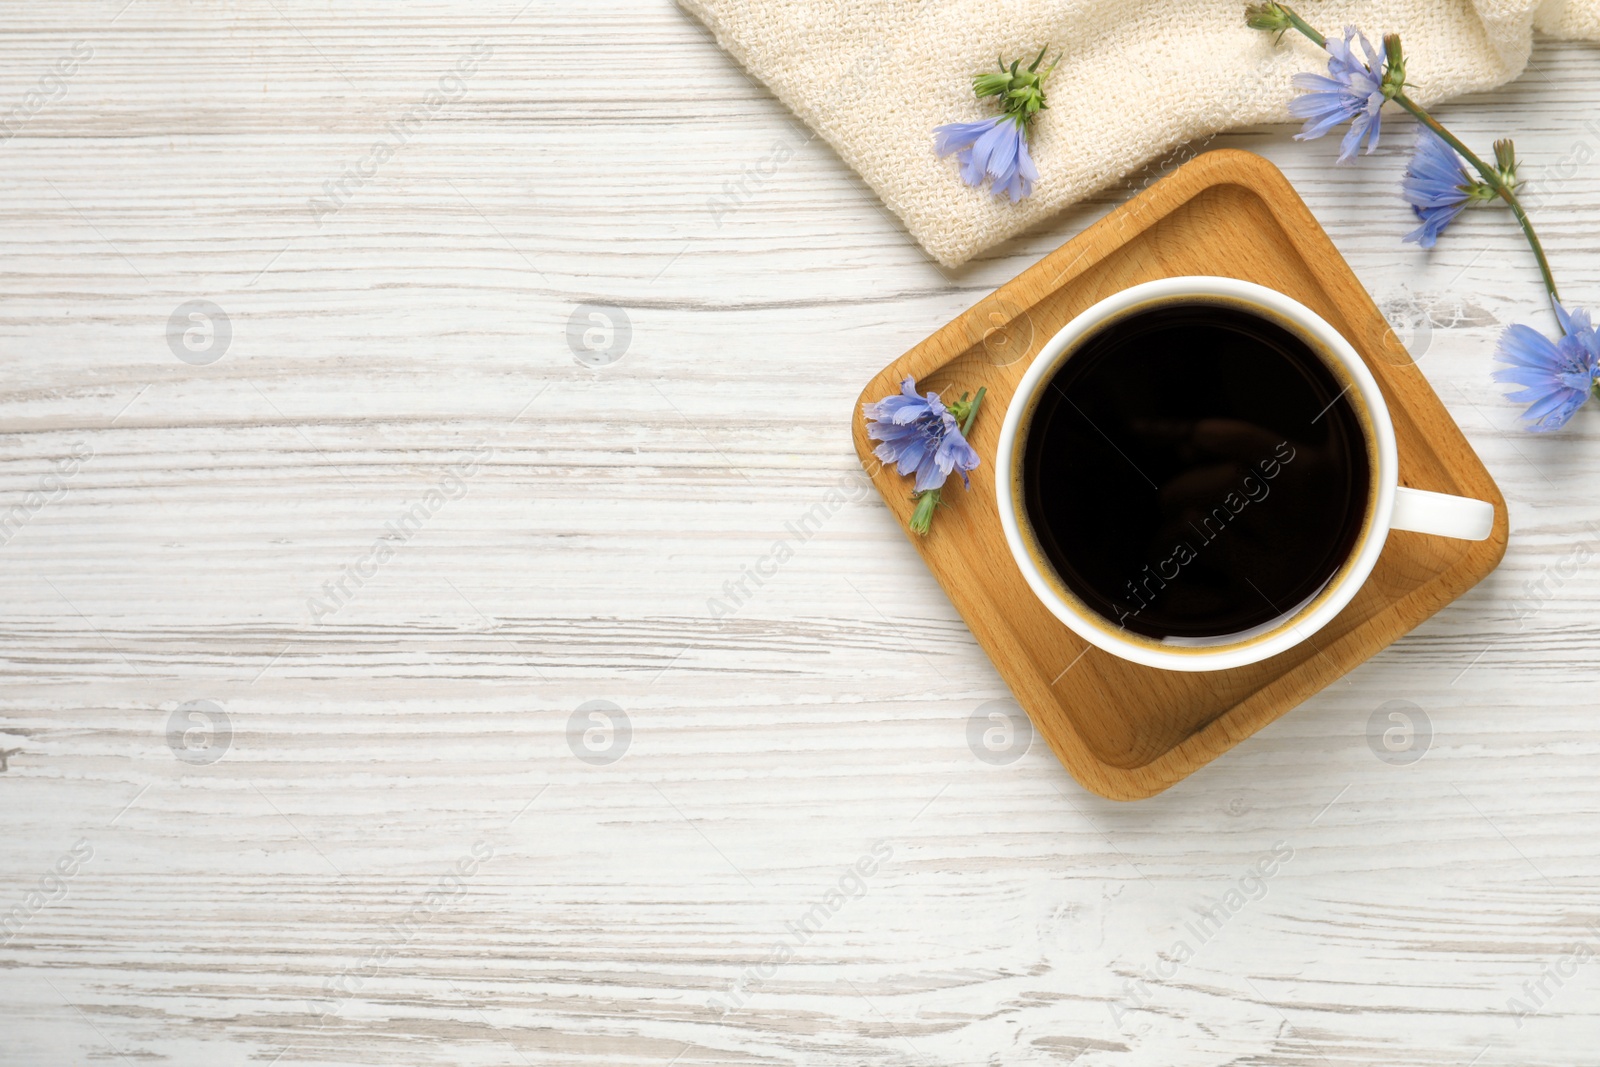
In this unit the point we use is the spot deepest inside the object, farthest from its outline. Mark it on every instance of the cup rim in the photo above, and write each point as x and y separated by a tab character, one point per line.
1289	629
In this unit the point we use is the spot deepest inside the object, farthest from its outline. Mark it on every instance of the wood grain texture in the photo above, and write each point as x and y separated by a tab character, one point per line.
229	909
1128	732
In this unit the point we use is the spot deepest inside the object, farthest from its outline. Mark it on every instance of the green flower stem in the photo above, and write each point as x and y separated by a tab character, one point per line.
1492	177
972	412
1304	27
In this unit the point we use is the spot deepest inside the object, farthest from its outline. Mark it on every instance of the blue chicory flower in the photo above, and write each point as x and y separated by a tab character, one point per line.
1436	185
1352	91
995	148
921	436
1557	377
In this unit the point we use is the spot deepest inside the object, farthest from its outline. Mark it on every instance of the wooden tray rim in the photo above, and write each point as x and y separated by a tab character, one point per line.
1262	180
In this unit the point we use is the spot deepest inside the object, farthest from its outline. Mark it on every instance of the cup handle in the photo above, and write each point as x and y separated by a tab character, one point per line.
1460	517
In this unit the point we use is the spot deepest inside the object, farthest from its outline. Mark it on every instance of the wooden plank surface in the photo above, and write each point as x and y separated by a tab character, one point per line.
392	851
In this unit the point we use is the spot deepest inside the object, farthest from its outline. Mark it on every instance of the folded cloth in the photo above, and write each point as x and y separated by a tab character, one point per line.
1137	79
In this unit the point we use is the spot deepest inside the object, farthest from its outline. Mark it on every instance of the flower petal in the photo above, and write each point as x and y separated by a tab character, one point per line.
954	136
956	454
1002	154
913	454
1434	220
1524	346
1316	83
929	476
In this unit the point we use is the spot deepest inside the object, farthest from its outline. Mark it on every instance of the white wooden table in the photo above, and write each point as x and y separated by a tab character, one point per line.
270	798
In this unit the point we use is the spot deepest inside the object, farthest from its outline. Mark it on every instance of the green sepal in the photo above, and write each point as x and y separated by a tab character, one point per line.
1394	69
1269	17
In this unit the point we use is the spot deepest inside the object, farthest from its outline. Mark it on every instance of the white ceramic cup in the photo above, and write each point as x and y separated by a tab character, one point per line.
1389	505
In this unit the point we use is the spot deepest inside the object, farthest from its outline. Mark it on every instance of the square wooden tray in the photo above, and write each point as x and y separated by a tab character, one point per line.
1122	730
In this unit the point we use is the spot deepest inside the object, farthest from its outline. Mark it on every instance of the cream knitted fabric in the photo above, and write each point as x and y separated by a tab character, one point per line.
1139	77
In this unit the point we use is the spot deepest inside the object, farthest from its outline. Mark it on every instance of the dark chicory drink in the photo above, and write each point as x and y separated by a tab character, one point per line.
1195	470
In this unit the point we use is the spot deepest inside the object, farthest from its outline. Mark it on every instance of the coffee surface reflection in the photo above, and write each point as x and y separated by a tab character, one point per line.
1195	470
